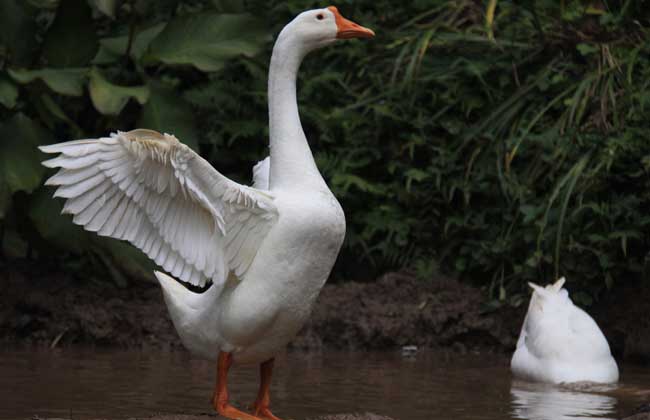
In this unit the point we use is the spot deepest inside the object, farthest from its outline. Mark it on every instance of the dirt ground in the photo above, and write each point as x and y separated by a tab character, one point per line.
47	308
399	310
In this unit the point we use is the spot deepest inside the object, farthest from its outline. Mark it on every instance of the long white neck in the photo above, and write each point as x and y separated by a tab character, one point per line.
292	163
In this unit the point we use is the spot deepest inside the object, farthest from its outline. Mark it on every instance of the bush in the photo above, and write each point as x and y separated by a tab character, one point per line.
503	143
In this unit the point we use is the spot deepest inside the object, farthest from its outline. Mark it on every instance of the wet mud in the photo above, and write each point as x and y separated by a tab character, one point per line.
43	307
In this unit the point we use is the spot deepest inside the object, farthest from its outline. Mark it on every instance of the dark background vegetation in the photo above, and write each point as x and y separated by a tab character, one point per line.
498	141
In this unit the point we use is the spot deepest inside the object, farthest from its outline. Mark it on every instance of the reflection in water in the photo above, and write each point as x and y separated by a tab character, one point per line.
548	402
90	384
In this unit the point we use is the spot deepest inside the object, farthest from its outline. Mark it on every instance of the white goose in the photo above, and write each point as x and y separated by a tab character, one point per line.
266	250
560	342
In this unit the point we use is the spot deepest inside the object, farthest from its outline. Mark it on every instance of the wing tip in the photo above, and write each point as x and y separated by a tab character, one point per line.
51	163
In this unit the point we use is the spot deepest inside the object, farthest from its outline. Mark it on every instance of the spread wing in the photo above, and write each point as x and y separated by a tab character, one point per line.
158	194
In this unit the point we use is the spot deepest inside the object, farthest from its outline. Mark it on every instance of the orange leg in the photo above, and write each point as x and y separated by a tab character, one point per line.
261	405
220	398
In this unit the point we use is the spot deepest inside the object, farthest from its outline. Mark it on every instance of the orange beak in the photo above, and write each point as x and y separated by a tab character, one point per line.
348	29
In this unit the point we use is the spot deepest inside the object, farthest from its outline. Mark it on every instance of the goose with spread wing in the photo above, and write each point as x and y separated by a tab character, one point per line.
560	342
265	251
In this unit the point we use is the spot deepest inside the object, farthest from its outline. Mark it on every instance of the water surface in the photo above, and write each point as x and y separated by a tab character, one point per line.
83	384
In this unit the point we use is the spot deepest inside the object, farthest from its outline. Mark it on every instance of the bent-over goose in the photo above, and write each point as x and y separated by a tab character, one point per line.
560	342
265	251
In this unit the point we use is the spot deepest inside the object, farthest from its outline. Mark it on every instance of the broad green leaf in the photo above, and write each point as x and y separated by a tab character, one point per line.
107	7
54	227
20	160
17	32
104	56
169	113
64	81
114	48
71	41
110	99
206	41
8	92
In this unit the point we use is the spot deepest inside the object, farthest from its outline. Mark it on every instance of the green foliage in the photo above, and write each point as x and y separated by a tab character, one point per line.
79	68
20	168
110	99
501	141
206	40
498	145
68	81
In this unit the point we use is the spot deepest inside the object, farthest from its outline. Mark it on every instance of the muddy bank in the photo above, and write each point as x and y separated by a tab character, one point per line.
45	307
399	310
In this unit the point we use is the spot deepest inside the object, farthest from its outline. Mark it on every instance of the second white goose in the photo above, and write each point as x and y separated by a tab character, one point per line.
560	342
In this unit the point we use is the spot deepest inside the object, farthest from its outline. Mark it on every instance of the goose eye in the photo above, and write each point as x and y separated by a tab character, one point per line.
320	16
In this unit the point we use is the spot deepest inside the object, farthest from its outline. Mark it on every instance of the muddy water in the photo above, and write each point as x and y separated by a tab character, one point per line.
75	384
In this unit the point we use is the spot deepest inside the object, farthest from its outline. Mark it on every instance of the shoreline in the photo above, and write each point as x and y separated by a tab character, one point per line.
50	309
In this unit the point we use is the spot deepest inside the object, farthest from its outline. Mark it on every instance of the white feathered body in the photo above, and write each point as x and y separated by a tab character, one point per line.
257	317
560	342
286	290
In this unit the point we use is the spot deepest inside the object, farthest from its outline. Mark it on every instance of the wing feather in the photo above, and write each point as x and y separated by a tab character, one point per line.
155	192
72	176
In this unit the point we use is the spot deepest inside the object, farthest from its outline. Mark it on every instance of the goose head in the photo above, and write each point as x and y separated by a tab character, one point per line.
318	28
